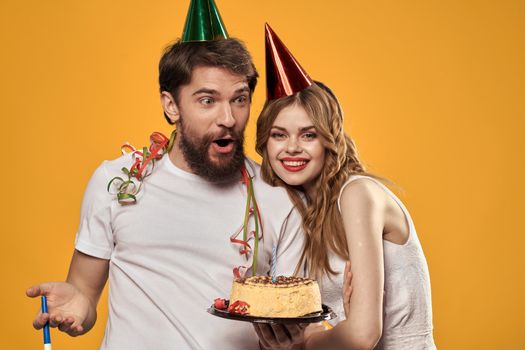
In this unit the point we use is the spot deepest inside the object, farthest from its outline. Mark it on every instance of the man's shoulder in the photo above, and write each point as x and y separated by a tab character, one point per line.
254	169
115	165
266	194
109	169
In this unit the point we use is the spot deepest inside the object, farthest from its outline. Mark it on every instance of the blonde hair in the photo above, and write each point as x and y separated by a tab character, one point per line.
322	222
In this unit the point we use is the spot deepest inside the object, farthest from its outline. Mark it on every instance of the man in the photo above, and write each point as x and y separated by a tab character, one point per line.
169	254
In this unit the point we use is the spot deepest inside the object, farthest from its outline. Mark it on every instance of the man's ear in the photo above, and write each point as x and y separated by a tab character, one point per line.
171	110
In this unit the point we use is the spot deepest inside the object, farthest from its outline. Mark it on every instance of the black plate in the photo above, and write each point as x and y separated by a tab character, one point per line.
325	315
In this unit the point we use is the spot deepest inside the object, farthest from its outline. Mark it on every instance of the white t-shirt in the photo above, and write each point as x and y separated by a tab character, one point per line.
170	254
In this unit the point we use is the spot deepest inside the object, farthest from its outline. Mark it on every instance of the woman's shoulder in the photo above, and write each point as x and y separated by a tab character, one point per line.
362	191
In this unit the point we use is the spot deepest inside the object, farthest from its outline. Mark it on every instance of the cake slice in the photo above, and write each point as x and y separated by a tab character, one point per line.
287	297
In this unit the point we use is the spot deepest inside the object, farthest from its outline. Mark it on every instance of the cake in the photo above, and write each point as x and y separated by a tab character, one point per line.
286	297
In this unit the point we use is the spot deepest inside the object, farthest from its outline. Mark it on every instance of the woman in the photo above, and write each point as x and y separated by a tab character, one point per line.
347	215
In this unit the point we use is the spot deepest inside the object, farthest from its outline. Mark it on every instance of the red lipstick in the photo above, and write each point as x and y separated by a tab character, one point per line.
294	164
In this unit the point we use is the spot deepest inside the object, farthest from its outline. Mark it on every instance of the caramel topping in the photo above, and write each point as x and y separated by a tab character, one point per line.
282	281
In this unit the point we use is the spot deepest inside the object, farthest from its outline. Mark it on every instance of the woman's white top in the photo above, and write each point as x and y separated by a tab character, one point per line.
407	305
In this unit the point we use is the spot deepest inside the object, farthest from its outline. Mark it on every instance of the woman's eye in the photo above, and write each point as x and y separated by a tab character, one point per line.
310	135
206	100
277	135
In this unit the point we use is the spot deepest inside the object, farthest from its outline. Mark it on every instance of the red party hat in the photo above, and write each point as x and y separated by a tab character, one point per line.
284	75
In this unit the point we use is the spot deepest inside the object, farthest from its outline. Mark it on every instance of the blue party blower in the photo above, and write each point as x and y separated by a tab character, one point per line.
47	336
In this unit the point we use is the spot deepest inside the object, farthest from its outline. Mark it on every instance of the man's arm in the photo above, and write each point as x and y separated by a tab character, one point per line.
89	275
72	304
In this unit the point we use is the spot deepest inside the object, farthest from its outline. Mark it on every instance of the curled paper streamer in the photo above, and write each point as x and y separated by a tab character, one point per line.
252	209
143	163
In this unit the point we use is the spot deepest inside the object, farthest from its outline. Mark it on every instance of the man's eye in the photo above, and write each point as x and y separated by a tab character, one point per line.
206	100
241	99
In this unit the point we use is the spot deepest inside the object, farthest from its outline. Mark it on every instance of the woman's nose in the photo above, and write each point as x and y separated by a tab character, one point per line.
293	145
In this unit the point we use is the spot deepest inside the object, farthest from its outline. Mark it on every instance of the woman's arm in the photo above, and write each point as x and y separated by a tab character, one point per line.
363	207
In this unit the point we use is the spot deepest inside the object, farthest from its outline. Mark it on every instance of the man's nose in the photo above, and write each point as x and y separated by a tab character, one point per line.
225	117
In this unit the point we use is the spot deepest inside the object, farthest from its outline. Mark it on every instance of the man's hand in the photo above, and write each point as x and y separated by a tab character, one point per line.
347	288
72	305
280	337
68	307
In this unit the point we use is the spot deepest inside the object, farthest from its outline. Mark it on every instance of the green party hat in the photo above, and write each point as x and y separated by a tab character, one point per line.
203	22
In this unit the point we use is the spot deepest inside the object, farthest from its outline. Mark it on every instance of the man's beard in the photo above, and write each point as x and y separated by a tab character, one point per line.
196	154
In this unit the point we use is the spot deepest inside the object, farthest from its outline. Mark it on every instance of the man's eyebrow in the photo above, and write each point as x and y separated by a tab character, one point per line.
243	89
215	92
206	91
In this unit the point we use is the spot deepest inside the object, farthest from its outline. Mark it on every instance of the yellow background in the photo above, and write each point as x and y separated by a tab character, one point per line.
433	93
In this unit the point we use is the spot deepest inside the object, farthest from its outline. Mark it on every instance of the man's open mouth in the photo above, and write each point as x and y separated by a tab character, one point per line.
223	142
223	145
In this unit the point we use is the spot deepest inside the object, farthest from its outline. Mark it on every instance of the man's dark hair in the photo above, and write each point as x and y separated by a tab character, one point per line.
179	60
